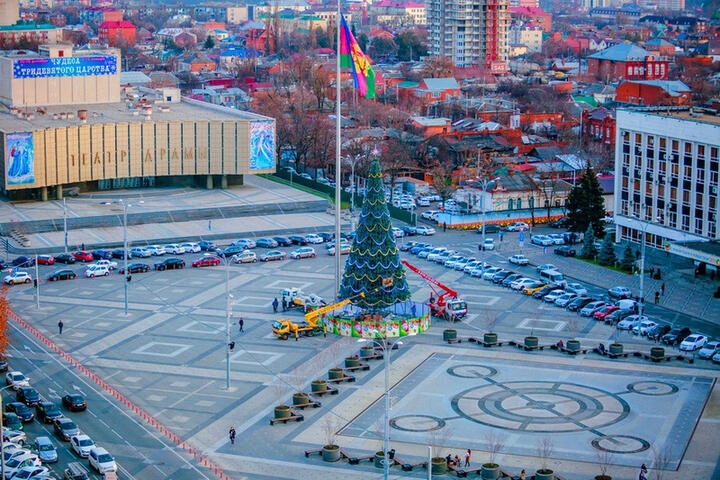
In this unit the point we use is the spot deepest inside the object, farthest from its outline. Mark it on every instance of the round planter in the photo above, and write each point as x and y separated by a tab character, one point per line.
282	411
367	352
573	345
331	453
318	386
531	342
379	460
300	398
335	373
603	477
352	362
449	334
616	348
656	353
490	338
490	471
544	474
439	466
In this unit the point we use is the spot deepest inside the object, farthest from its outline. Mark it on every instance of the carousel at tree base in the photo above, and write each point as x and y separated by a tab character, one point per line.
374	278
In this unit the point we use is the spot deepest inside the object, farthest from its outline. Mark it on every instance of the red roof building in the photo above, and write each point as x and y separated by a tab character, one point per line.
627	62
598	125
653	92
532	15
117	33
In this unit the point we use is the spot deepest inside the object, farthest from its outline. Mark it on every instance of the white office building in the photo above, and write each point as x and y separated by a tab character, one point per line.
667	163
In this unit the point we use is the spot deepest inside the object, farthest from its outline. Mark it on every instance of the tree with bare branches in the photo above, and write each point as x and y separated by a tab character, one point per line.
545	450
438	67
442	180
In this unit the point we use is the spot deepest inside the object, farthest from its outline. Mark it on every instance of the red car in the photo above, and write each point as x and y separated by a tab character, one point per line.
83	256
206	262
45	260
605	311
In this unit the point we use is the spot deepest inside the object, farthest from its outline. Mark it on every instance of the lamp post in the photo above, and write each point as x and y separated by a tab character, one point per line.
228	314
65	231
126	274
386	348
2	436
37	283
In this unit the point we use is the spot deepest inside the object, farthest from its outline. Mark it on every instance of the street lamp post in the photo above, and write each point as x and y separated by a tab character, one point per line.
2	436
228	313
482	205
65	231
37	282
125	255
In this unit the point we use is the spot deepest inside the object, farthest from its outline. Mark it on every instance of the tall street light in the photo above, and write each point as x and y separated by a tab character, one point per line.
386	348
2	436
65	225
228	314
126	275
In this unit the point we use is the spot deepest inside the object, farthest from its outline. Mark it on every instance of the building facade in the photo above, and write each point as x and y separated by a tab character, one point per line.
528	35
627	62
667	164
470	33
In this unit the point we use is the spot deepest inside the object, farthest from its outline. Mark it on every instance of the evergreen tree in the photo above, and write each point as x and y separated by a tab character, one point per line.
589	250
628	259
373	266
607	250
209	43
585	204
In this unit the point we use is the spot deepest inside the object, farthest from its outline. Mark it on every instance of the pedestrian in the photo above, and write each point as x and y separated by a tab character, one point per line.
232	435
284	304
657	298
662	288
523	474
82	246
60	326
210	225
444	226
275	305
241	322
643	472
500	235
652	272
467	457
413	311
457	461
448	460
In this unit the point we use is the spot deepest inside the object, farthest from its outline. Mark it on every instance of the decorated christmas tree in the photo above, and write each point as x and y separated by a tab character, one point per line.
373	266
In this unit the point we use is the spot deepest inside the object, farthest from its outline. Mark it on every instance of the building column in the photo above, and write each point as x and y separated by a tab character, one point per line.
59	192
44	194
209	182
224	182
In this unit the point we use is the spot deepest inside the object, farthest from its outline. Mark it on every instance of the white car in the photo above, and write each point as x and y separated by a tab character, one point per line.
576	288
140	252
693	342
429	214
97	271
16	380
592	307
522	283
17	277
407	205
303	252
710	349
397	233
557	238
101	460
564	299
174	249
14	436
553	295
433	255
33	473
547	266
629	322
488	244
424	230
110	264
155	250
191	247
517	226
519	260
313	238
643	327
16	464
12	450
452	260
82	444
542	240
423	202
489	272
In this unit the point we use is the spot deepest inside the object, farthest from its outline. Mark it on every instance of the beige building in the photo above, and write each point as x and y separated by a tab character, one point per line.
528	35
131	138
9	12
237	15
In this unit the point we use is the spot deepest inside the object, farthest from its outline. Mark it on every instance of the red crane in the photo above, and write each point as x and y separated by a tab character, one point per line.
453	307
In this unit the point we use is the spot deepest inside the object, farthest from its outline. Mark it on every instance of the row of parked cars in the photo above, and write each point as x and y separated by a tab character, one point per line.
25	460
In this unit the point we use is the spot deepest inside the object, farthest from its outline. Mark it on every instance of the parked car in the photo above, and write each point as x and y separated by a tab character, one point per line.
620	292
27	395
675	336
344	249
101	254
45	450
156	250
490	228
81	445
429	214
297	240
75	471
522	283
656	332
316	239
170	264
629	322
557	238
576	288
120	253
487	244
604	312
546	266
564	299
693	342
83	256
136	268
266	243
174	249
14	436
559	223
282	241
565	251
97	271
490	272
542	240
140	252
554	295
544	291
592	307
709	349
643	327
509	279
408	230
206	246
21	410
245	257
23	261
45	260
16	380
15	278
65	428
66	258
273	255
12	421
579	303
191	247
110	264
47	412
74	402
516	227
229	251
64	274
303	252
519	260
424	230
206	260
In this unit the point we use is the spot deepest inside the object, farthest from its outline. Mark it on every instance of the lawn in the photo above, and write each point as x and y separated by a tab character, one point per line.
595	262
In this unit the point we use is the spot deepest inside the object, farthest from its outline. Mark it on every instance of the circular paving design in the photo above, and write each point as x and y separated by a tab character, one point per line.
471	371
652	388
540	406
417	423
620	444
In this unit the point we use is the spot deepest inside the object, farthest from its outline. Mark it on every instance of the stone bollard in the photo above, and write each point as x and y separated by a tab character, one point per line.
335	373
352	362
318	386
490	338
301	398
657	354
367	351
616	349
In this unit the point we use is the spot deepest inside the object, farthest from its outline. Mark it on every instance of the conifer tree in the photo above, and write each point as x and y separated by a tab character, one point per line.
585	204
607	250
628	259
589	250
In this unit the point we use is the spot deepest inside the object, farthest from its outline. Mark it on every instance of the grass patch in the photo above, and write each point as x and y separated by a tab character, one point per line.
343	205
595	262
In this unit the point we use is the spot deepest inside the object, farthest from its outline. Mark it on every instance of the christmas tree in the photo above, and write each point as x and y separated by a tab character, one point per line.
373	266
589	250
607	250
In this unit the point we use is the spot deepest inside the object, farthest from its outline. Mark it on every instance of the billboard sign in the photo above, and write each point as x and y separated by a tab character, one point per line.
19	158
262	145
65	66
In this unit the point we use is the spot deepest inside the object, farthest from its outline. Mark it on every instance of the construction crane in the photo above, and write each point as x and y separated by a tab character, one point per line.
447	305
311	326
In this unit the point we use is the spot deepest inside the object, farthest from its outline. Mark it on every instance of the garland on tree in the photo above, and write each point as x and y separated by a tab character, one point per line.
373	266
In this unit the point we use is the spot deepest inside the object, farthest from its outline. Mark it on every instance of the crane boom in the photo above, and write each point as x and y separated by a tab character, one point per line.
310	316
449	291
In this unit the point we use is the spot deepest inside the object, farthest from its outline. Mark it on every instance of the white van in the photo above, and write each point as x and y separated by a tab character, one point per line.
553	275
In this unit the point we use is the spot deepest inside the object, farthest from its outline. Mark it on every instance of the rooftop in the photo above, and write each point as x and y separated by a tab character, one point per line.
622	53
682	113
28	26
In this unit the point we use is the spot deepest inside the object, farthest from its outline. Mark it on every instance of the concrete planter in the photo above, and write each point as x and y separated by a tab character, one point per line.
439	466
300	398
367	352
352	362
282	411
331	453
449	334
531	342
603	477
490	471
544	474
318	386
573	345
335	373
616	348
657	353
490	338
379	460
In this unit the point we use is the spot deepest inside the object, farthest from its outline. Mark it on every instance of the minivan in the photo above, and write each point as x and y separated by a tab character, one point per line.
553	275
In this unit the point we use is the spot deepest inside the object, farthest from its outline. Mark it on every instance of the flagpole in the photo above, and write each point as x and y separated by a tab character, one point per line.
338	148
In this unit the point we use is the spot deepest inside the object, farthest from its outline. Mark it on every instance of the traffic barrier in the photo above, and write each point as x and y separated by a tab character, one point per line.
169	434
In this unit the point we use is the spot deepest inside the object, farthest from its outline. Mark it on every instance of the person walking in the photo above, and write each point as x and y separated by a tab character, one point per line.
657	298
444	226
60	326
652	272
284	304
662	288
500	235
643	472
82	246
232	435
241	322
275	305
210	225
467	457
